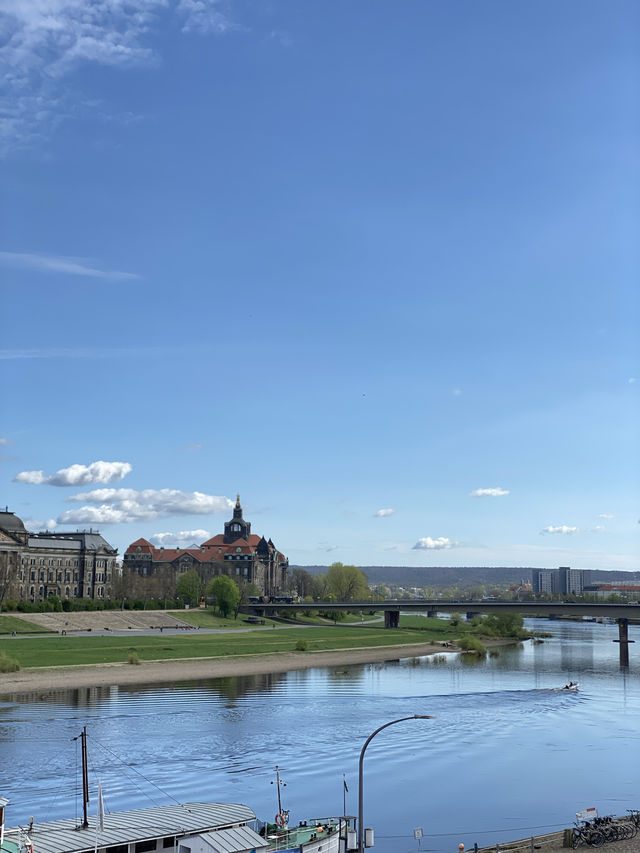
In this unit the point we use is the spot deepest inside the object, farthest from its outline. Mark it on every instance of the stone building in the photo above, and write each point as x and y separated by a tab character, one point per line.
237	552
34	566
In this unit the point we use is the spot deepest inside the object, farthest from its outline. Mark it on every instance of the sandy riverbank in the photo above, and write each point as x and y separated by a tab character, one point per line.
37	680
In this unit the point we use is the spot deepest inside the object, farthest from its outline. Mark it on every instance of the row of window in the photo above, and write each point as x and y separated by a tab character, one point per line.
67	592
53	576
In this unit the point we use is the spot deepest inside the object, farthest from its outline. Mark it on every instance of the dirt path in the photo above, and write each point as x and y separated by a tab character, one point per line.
37	680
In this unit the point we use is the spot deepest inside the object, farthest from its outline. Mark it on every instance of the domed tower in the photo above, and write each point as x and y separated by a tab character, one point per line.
237	528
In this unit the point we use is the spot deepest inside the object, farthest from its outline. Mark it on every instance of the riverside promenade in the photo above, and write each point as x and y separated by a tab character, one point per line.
554	843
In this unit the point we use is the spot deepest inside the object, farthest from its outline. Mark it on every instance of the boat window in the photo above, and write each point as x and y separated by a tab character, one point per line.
118	848
146	846
169	842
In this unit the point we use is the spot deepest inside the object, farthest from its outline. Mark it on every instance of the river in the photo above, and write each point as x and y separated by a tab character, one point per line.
505	757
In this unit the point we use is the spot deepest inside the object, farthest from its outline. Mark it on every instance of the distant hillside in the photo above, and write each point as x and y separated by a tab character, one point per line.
466	576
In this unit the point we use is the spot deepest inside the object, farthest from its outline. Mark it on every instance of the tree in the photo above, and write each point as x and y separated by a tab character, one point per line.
225	592
320	588
302	582
189	587
347	583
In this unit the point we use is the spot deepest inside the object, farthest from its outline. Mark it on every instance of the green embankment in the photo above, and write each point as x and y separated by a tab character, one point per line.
207	619
9	624
71	651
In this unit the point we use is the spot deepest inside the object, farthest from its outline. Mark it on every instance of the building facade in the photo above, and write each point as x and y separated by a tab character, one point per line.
562	581
237	552
35	566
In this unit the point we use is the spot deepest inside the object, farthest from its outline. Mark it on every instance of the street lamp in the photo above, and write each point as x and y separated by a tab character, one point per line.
360	772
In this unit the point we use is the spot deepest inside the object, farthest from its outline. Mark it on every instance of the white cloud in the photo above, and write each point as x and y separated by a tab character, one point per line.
59	264
429	544
384	513
37	526
77	475
117	506
606	515
203	16
598	528
44	40
4	442
495	492
181	538
559	528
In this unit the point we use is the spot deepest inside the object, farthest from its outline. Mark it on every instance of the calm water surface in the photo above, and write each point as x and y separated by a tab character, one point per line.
505	757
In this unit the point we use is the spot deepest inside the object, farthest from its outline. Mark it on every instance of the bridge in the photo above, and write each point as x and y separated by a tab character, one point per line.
621	613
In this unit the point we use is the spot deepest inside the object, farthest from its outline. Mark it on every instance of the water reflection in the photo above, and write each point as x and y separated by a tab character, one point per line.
504	742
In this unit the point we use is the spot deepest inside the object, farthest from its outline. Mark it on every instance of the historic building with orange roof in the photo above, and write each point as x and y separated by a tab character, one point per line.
237	552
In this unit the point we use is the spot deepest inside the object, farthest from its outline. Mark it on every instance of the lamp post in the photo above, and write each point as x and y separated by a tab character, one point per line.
360	771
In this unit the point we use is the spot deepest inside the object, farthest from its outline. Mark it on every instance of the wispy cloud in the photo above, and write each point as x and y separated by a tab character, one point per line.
77	475
384	513
4	442
80	352
121	506
59	264
606	515
44	41
428	544
495	492
559	528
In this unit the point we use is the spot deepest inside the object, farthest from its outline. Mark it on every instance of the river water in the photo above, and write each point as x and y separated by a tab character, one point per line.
505	757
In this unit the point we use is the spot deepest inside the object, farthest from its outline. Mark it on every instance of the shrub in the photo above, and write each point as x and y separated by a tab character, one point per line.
472	646
8	664
302	646
133	659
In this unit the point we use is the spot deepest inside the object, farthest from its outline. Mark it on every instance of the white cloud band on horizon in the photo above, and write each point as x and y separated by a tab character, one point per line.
495	492
181	538
60	264
77	475
384	513
429	544
122	506
559	528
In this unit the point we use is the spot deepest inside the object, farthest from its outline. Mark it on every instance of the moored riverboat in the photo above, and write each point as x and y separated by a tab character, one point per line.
182	828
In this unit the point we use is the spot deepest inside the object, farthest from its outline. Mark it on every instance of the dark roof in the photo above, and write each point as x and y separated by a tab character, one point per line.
11	523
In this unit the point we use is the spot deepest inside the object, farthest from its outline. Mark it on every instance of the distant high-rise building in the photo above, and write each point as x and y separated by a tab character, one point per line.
544	581
570	581
562	581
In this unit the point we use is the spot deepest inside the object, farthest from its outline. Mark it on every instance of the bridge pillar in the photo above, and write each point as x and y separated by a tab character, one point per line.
471	614
623	639
432	614
391	618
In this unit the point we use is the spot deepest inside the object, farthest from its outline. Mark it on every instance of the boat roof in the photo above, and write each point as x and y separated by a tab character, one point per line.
64	836
236	840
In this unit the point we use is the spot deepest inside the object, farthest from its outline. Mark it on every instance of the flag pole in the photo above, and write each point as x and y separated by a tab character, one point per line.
344	795
99	815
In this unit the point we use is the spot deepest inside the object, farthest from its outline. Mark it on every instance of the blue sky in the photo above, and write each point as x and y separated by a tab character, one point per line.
372	265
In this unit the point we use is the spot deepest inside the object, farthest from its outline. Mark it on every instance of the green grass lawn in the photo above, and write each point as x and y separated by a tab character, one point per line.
208	619
70	650
438	628
9	624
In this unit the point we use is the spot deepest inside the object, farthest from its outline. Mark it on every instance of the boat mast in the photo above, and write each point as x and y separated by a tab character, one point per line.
279	782
85	778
